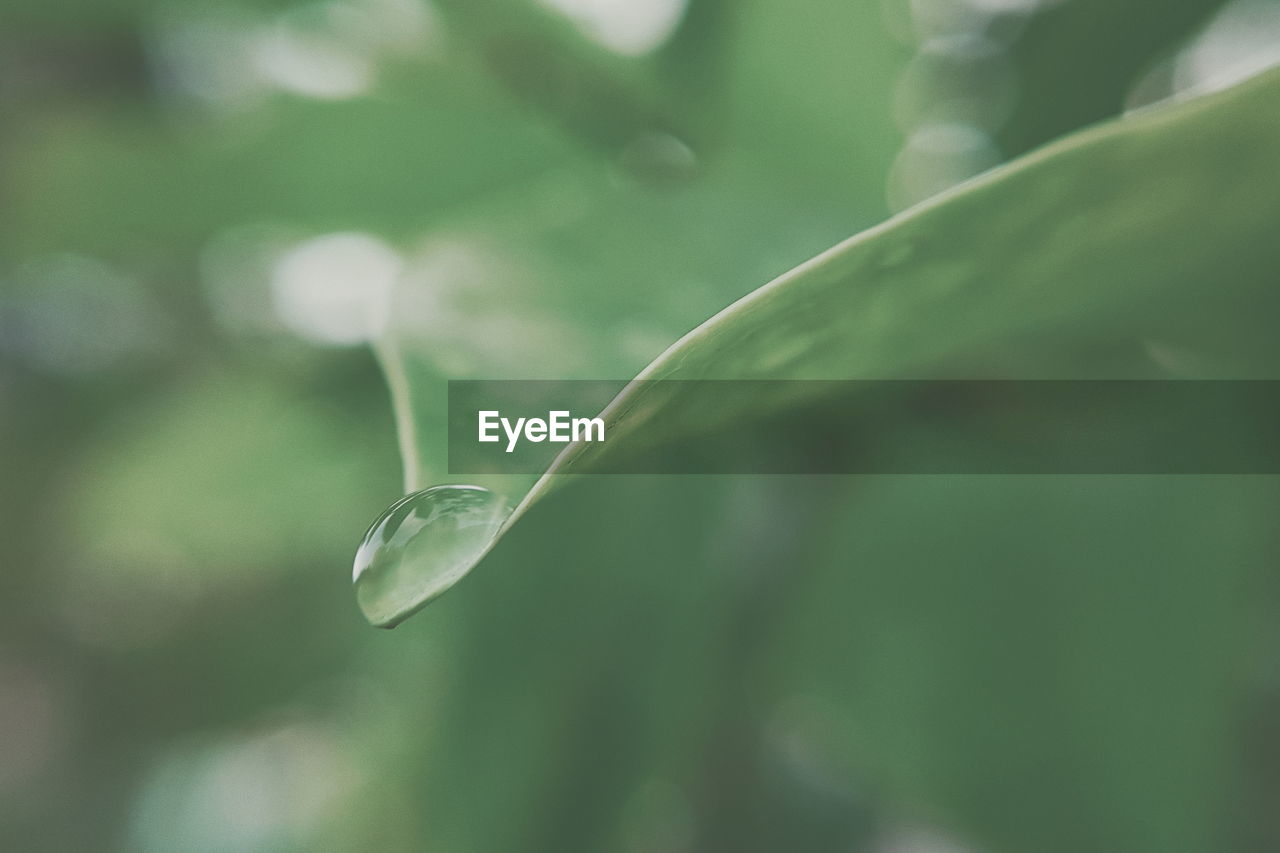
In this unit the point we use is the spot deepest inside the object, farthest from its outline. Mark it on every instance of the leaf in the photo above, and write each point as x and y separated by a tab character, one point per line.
1115	237
1030	663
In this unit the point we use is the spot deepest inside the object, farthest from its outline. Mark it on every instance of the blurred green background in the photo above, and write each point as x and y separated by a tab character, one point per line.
205	209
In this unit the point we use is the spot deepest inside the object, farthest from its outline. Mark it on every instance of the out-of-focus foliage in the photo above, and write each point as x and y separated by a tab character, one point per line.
1104	45
210	207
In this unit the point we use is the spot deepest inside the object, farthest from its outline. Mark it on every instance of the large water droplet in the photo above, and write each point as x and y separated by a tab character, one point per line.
422	545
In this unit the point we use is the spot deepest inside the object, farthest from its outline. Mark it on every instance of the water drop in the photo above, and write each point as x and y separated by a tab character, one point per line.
422	545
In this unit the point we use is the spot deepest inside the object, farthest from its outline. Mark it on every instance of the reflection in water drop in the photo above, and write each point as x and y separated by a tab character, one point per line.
422	545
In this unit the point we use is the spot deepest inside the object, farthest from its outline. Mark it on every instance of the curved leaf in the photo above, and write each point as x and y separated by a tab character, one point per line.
1146	233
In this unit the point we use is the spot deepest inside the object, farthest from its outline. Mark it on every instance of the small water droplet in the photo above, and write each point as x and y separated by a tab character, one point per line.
422	545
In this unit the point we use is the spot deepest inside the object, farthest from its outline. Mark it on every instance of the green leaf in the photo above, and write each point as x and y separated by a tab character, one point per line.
1030	663
1147	234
